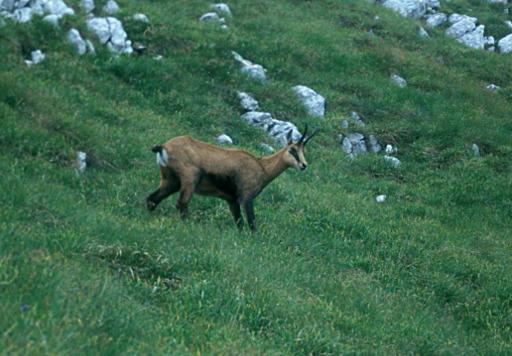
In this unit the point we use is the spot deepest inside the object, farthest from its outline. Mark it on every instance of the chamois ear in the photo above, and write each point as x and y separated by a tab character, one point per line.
310	137
289	137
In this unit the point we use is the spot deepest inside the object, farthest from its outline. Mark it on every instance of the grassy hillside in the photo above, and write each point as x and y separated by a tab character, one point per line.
86	269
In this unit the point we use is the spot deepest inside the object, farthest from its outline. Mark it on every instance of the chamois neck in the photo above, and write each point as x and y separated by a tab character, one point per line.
273	165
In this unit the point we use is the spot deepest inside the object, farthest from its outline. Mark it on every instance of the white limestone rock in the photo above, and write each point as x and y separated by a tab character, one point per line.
357	119
253	70
415	9
88	5
223	138
460	28
505	44
395	162
209	16
81	162
141	18
380	198
110	31
436	20
224	8
247	102
76	40
37	57
401	82
100	26
474	39
53	19
267	148
312	101
111	7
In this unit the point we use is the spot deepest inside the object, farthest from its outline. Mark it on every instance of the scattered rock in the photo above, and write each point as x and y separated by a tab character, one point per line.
223	138
374	144
390	149
344	124
505	44
312	101
88	5
393	160
37	57
476	150
436	20
474	39
461	27
222	8
423	33
53	19
398	80
415	9
141	18
267	148
110	31
276	128
380	198
357	119
81	162
209	16
493	87
111	7
77	41
254	71
247	102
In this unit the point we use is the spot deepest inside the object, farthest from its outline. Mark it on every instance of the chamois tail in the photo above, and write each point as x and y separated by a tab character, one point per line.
161	155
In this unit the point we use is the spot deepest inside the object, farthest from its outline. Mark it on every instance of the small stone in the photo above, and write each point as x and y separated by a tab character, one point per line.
267	148
209	16
393	160
141	18
77	41
81	163
223	138
247	102
380	198
398	80
53	19
476	150
222	8
111	7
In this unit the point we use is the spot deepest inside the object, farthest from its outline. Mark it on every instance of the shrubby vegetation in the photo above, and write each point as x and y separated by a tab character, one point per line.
85	269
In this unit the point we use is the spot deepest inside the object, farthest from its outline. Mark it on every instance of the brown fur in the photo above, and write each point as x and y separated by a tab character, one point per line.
233	175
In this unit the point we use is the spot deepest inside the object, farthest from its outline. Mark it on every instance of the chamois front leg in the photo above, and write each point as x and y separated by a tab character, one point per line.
234	207
249	213
170	184
164	190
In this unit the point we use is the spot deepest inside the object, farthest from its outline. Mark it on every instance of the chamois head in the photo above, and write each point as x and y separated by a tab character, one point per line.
294	153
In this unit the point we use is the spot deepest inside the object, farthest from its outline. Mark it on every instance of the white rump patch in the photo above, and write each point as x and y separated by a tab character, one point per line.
162	157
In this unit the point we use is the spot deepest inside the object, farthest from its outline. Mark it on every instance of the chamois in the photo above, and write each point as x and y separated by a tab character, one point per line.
236	176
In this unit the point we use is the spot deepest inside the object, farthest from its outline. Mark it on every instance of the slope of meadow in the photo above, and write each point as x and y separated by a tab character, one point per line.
86	269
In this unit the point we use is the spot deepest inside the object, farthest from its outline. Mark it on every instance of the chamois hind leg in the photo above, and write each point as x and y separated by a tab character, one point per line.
234	207
170	184
249	213
188	186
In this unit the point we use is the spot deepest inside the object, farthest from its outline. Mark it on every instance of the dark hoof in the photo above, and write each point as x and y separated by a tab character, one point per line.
151	205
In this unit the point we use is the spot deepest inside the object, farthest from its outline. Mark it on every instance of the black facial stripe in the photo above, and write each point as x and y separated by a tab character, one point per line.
293	152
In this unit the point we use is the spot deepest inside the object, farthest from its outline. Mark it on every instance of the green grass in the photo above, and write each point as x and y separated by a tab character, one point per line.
86	269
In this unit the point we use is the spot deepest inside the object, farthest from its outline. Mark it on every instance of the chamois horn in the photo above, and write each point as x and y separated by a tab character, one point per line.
304	141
